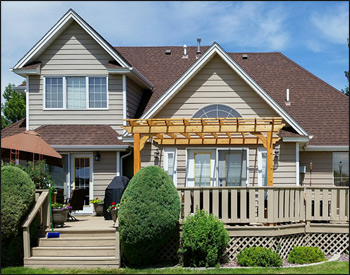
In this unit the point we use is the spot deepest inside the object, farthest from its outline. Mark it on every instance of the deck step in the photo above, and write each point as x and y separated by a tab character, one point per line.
88	251
86	233
72	262
64	241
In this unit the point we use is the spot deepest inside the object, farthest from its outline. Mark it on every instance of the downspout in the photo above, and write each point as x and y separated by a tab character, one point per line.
121	161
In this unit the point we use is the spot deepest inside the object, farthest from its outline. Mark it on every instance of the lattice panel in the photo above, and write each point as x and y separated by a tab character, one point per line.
238	244
168	252
329	243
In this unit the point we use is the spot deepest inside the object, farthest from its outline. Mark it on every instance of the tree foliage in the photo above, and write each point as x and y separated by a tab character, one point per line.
346	90
14	107
148	215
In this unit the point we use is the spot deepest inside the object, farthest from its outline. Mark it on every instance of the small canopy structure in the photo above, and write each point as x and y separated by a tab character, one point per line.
29	146
221	131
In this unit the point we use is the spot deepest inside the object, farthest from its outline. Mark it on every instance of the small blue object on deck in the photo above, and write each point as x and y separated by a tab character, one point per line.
53	235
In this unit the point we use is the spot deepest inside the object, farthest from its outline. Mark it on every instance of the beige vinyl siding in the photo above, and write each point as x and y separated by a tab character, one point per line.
216	83
104	171
133	94
74	52
111	116
322	167
284	169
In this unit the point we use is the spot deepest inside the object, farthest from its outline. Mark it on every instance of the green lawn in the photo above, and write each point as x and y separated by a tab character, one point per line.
325	268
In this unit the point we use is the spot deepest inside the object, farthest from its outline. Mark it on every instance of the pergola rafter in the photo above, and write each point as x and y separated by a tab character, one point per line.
208	131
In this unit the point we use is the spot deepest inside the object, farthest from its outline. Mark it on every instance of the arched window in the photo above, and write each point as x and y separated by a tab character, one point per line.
216	110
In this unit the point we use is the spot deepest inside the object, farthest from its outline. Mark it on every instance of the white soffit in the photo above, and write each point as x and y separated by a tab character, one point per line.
186	77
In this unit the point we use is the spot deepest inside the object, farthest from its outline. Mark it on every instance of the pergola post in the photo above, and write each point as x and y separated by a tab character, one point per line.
137	152
269	159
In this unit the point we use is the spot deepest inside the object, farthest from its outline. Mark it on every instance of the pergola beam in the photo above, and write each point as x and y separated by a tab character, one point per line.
181	131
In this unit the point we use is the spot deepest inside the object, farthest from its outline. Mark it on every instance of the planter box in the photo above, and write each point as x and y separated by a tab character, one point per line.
99	208
59	216
114	213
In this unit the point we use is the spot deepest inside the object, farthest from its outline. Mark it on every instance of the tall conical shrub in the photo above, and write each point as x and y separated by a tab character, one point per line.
148	215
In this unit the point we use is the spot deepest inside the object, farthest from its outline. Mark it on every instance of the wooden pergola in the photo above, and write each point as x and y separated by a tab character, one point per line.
207	131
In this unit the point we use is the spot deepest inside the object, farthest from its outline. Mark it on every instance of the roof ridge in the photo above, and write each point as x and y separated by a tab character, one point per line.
310	73
14	124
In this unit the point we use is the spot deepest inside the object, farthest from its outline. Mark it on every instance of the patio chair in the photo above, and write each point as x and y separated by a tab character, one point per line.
76	201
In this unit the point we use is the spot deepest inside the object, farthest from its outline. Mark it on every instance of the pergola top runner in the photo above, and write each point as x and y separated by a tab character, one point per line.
238	130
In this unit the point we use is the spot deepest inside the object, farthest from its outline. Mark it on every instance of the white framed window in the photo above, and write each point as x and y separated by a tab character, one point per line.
341	168
215	111
75	92
232	166
53	92
170	163
200	167
262	167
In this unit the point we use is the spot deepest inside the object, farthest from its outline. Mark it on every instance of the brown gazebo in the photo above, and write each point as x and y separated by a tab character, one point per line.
29	146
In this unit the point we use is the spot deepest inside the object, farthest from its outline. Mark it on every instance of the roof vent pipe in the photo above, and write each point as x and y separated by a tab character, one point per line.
287	98
199	45
185	52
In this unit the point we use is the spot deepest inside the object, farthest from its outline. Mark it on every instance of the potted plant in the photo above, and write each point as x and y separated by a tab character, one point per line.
59	213
113	208
98	206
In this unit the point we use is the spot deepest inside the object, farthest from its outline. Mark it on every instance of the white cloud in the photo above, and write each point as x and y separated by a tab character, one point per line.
333	23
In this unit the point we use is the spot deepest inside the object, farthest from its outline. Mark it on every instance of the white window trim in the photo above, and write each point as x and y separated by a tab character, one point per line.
87	208
333	165
230	149
260	151
167	151
64	83
214	182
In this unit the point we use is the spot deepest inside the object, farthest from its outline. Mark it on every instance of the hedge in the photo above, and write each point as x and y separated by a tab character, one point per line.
17	198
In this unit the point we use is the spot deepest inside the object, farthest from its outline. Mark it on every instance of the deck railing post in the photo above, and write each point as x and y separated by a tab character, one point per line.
26	243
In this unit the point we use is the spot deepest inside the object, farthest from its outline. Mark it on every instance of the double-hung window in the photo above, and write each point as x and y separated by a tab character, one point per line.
76	92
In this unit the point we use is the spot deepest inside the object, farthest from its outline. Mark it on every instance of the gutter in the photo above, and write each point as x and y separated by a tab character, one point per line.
325	148
90	147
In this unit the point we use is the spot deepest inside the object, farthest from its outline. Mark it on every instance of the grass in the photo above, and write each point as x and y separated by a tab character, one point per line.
325	268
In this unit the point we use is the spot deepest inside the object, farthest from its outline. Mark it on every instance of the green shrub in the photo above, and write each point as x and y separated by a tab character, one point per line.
17	198
148	215
259	256
306	255
203	240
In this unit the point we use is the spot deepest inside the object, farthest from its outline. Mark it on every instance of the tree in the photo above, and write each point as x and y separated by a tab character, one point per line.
14	107
346	90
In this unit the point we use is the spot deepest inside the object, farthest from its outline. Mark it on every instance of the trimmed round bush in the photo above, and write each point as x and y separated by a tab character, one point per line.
17	198
204	240
306	255
259	256
148	215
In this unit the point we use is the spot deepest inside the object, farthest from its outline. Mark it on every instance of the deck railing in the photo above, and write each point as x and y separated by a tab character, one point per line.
43	204
267	205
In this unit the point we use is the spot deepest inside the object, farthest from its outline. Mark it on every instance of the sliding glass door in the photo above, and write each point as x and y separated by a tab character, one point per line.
232	167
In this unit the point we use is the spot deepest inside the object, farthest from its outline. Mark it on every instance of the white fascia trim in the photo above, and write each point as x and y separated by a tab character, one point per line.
90	147
125	103
148	83
128	139
344	148
27	103
295	139
60	24
215	48
25	72
118	71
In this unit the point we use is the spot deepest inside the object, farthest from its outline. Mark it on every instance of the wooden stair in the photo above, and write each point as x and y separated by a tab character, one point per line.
76	249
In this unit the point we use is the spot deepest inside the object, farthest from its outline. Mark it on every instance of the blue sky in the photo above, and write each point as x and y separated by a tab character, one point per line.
311	33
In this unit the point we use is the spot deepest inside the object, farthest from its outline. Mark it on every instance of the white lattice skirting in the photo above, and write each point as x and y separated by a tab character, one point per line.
329	243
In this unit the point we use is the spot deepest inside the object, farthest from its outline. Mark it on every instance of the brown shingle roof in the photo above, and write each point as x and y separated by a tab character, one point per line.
70	134
320	109
15	128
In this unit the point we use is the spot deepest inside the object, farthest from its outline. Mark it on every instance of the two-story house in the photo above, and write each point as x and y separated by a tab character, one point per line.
80	88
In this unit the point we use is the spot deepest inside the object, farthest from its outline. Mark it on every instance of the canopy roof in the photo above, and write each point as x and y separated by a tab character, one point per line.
30	142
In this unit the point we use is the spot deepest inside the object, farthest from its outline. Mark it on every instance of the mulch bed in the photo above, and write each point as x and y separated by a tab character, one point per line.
343	258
